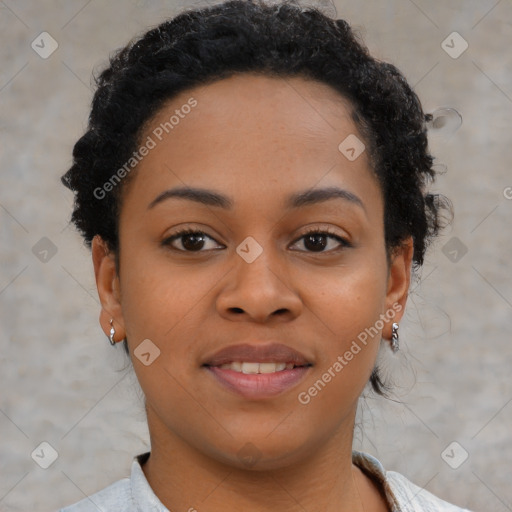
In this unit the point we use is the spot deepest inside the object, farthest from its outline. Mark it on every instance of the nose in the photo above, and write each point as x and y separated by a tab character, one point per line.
261	291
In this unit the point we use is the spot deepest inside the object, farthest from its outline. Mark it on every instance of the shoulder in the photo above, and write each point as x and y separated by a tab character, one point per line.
401	494
413	498
116	496
130	494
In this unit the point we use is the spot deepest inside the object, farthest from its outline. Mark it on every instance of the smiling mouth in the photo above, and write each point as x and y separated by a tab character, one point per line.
257	370
253	368
258	381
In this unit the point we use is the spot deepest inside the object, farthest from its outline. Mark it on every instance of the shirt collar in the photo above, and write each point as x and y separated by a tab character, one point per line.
375	470
143	496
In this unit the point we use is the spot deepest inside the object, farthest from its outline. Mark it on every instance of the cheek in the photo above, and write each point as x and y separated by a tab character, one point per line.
347	310
158	305
169	306
345	299
156	298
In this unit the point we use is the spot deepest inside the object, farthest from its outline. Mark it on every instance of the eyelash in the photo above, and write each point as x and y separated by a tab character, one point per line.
323	231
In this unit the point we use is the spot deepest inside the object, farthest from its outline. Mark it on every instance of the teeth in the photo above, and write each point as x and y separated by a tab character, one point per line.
253	368
250	368
237	366
271	367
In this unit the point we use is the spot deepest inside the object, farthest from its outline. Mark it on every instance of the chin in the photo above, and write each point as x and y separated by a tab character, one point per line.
263	453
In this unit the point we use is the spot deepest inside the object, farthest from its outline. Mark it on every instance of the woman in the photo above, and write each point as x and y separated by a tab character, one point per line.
252	185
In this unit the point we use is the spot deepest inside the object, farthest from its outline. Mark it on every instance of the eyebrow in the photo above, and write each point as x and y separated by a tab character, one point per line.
297	200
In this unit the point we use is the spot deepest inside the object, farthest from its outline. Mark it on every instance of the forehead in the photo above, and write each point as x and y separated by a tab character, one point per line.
253	104
251	133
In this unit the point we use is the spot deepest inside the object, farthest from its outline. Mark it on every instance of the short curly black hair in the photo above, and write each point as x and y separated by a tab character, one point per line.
279	39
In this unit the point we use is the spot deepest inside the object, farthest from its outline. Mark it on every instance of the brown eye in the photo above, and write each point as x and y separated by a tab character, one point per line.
190	240
317	240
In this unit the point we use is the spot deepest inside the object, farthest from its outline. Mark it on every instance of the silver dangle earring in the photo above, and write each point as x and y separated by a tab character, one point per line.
112	332
394	338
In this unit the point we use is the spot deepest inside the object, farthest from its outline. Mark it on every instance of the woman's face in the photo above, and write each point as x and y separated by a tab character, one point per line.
256	279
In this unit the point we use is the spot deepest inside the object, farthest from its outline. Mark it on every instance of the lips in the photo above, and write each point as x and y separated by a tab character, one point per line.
273	353
258	372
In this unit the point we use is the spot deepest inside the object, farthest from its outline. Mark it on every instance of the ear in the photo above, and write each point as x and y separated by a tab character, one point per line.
399	279
107	283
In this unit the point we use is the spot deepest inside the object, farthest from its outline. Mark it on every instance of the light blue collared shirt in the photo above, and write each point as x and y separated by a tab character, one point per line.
134	494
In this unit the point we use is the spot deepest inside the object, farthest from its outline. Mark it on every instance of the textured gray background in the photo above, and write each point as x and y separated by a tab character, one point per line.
62	383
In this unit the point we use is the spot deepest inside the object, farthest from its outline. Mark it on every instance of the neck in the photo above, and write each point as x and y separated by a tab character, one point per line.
184	478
